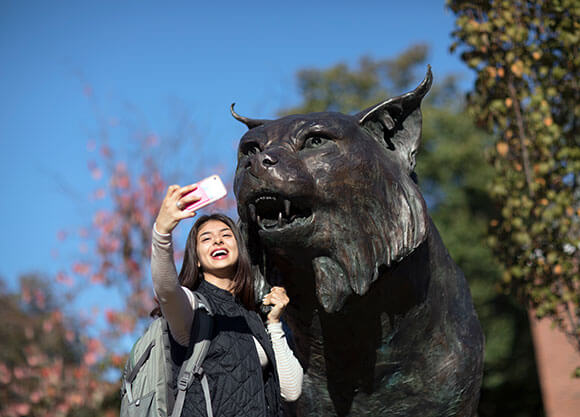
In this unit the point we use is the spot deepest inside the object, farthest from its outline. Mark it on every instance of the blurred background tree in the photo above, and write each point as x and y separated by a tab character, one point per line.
46	362
527	95
454	176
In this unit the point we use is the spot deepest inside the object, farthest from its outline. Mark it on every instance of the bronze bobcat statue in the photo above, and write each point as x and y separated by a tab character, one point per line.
381	318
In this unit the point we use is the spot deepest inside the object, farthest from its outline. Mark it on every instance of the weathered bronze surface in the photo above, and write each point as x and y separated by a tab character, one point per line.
381	317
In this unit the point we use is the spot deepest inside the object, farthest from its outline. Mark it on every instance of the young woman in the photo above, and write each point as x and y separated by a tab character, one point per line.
249	367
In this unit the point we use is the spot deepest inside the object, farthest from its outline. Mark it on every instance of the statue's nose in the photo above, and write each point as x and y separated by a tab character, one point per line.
274	162
269	160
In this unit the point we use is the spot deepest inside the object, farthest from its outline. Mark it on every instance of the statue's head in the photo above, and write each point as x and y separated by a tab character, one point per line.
334	191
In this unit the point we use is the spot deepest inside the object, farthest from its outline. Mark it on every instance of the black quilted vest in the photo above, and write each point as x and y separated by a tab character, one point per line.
237	383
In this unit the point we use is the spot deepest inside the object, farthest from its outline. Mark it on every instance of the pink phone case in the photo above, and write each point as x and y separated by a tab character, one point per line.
210	190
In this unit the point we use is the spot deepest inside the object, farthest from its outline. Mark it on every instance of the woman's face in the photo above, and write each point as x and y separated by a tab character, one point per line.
217	249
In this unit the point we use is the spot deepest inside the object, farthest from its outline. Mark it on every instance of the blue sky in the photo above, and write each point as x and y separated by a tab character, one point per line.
201	55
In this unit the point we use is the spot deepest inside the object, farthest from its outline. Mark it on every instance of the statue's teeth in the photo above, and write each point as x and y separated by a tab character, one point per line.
287	207
280	219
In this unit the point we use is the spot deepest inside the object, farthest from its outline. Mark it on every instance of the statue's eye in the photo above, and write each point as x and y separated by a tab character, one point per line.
313	142
250	148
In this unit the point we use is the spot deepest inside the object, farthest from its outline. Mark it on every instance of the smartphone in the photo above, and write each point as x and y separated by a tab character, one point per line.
210	190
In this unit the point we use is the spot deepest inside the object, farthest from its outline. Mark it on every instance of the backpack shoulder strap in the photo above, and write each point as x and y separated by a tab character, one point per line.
202	302
200	338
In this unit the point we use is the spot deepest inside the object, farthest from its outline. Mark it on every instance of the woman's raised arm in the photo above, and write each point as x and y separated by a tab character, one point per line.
177	303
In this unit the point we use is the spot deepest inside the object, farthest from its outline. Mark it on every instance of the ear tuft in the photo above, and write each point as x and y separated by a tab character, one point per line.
251	123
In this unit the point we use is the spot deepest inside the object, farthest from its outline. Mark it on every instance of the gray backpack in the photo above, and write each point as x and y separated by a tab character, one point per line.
152	385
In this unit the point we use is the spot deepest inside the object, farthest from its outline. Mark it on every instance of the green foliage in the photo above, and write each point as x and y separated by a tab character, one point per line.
454	176
341	89
527	95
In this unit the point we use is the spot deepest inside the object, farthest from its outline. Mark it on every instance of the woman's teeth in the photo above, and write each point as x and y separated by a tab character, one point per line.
219	252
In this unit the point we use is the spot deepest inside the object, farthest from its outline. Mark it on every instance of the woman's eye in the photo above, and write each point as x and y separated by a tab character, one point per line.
313	142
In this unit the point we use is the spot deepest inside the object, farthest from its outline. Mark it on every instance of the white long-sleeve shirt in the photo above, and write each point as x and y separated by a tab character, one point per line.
178	307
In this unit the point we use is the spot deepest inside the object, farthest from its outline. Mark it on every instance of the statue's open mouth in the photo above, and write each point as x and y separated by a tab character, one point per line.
274	212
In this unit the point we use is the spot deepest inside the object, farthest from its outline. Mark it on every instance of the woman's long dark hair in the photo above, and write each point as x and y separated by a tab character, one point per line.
191	275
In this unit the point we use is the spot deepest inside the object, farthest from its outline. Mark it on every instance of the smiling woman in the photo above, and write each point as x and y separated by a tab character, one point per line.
249	368
205	259
217	251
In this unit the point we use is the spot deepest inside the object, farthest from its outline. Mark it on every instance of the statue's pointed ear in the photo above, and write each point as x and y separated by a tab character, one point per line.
397	121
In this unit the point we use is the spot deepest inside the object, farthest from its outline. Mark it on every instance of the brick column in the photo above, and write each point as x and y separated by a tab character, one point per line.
556	359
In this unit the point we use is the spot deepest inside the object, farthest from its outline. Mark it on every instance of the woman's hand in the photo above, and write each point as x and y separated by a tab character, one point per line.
171	211
279	299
